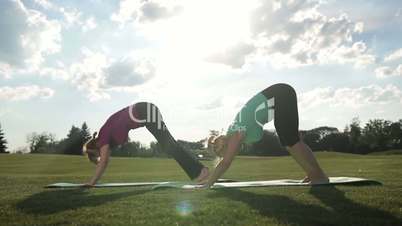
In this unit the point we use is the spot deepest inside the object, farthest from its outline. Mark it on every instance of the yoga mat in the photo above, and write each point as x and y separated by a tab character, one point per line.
111	185
104	185
268	183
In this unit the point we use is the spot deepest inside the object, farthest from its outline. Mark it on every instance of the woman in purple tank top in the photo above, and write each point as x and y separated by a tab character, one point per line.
115	132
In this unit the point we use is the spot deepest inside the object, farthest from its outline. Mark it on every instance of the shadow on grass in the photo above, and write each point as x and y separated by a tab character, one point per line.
55	201
337	209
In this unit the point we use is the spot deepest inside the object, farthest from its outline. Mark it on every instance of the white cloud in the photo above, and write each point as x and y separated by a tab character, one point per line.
356	54
127	11
293	33
398	12
151	11
396	55
96	74
72	16
234	56
24	93
387	71
46	4
390	67
87	74
350	97
359	27
383	72
145	10
27	36
59	72
398	70
5	70
89	24
214	104
129	72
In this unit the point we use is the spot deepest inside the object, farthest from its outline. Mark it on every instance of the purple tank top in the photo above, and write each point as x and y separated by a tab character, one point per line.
115	130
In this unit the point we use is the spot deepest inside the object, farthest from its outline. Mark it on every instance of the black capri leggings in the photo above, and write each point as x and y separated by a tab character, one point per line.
286	116
149	113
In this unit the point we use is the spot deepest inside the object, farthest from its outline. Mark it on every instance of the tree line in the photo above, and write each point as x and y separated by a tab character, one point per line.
46	143
77	136
375	136
72	144
3	142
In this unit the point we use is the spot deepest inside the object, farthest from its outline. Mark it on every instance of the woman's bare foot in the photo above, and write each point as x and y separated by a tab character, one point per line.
204	174
320	179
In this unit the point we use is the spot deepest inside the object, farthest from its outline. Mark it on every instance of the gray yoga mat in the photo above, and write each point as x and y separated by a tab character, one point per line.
222	183
268	183
104	185
111	185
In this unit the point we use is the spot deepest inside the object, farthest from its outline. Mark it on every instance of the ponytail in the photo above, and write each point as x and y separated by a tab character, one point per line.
90	149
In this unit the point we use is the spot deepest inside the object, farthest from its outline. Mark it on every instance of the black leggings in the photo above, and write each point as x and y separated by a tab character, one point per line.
286	117
155	124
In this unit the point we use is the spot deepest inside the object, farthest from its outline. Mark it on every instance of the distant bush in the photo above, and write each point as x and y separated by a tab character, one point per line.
376	135
389	152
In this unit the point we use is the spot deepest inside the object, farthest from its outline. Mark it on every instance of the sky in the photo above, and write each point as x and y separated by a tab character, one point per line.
63	63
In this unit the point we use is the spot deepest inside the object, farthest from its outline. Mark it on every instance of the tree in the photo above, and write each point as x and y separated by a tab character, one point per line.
189	145
72	142
129	149
76	138
324	131
41	143
396	134
376	135
156	149
312	139
141	151
338	142
3	142
269	145
355	130
85	132
355	135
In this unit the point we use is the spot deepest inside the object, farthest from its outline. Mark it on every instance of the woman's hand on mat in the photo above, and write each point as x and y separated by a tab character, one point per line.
202	182
88	185
202	186
203	176
306	179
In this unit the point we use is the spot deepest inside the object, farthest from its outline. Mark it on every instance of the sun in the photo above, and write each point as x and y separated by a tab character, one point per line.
203	28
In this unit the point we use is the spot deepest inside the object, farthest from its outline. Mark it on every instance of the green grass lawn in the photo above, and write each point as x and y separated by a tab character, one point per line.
24	201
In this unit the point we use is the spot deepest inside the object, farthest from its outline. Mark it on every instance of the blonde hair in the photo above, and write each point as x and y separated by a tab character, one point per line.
90	149
217	144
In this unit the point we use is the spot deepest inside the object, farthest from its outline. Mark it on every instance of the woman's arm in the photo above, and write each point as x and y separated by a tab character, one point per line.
232	148
102	164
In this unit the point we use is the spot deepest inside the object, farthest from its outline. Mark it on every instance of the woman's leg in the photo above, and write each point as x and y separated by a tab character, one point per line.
303	155
286	122
155	124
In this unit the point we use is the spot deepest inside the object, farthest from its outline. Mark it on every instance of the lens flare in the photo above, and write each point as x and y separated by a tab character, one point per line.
184	208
